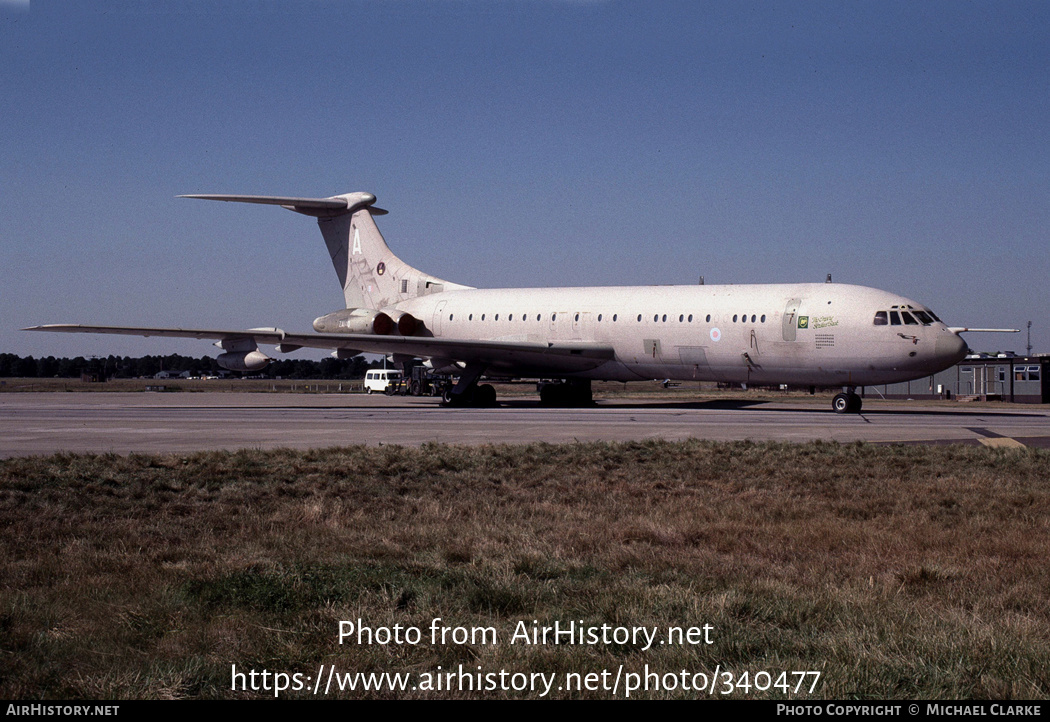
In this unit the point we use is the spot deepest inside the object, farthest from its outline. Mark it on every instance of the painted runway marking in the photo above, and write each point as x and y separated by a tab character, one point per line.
1002	442
994	440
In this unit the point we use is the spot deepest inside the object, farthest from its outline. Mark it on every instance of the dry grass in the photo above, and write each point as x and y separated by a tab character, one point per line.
895	571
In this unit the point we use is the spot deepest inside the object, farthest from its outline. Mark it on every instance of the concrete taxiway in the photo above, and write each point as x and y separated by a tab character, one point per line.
46	423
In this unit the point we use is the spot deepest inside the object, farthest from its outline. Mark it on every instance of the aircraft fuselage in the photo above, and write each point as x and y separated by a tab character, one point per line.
802	334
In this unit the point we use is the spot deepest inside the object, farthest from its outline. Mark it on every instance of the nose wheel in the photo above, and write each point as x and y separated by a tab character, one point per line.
847	402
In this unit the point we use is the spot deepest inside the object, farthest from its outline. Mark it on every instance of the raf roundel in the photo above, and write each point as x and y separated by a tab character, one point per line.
716	335
381	268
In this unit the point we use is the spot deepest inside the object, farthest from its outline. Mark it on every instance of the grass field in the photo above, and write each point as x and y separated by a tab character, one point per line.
915	572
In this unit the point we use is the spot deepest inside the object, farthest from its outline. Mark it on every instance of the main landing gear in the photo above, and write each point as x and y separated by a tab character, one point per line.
847	402
483	395
467	392
573	392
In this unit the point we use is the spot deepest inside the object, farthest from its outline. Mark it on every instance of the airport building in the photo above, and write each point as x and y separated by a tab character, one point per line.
989	377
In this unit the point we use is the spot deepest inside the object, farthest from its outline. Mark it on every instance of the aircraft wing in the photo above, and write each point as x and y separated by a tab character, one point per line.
511	357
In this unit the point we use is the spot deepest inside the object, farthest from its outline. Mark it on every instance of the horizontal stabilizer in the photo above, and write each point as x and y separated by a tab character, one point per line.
319	207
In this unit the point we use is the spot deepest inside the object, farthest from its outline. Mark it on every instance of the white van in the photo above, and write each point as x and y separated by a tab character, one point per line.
379	379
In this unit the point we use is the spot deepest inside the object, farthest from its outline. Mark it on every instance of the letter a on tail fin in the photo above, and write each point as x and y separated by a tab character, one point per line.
370	274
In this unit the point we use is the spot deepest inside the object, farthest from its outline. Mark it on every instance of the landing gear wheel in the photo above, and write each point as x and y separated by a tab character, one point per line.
549	395
467	398
485	396
567	394
846	403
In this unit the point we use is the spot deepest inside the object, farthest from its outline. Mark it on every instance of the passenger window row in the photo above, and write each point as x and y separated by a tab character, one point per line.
657	318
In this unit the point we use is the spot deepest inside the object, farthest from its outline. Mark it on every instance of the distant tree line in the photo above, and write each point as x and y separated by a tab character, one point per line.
125	367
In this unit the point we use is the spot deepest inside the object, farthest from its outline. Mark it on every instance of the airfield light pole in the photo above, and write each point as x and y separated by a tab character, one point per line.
1029	338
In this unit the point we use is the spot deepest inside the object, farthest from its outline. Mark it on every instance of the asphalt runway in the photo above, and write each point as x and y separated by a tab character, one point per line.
45	423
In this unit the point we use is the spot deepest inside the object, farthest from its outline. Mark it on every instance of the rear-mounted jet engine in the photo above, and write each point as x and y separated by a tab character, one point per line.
367	320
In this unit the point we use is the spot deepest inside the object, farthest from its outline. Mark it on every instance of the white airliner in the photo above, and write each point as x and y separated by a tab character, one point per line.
805	334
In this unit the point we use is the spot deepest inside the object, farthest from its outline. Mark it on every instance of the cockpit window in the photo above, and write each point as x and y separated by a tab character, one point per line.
935	318
912	317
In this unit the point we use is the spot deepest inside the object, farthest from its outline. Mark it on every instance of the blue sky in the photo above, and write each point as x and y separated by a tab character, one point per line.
897	145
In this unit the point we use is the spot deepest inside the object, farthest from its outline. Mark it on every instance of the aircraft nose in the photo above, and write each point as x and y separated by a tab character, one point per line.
951	348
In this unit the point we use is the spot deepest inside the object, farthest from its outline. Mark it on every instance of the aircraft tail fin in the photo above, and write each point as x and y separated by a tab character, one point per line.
370	274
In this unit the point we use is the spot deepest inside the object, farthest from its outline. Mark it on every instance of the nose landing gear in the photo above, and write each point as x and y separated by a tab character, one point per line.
847	402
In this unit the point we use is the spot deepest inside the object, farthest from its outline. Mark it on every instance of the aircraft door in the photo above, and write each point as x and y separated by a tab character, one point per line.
560	324
581	324
438	313
790	323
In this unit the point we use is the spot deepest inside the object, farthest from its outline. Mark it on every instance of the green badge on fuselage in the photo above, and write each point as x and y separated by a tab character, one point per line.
803	321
